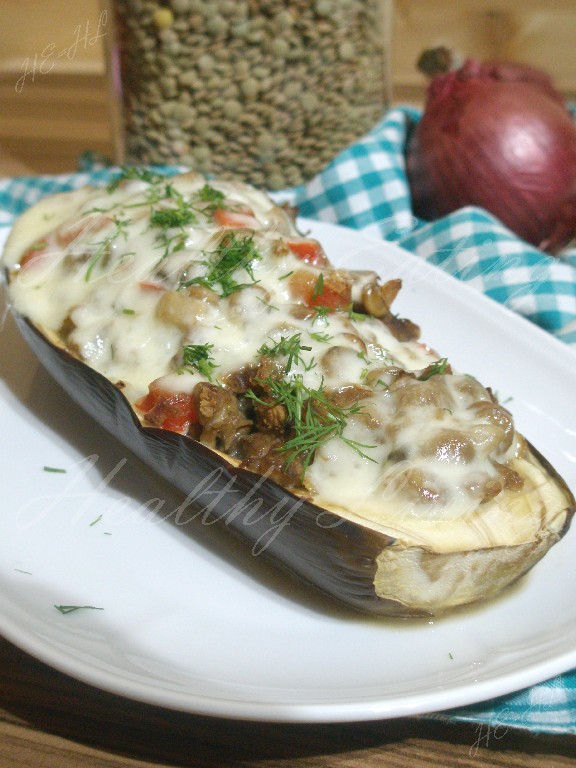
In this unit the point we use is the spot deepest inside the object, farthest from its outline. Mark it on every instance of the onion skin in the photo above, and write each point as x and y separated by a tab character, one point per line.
497	136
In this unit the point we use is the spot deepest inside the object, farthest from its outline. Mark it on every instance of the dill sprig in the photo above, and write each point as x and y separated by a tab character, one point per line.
130	173
318	287
233	254
71	608
291	348
438	367
169	218
321	314
358	317
213	197
313	418
177	216
323	338
103	246
197	357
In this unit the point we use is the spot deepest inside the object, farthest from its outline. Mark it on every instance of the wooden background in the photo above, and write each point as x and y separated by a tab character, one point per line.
53	107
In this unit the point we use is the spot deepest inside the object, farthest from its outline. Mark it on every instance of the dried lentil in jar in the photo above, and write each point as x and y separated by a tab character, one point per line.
268	91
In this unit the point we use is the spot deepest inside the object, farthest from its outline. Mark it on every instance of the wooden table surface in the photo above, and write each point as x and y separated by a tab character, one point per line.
49	720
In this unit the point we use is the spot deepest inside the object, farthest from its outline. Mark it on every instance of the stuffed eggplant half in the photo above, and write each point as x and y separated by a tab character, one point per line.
282	396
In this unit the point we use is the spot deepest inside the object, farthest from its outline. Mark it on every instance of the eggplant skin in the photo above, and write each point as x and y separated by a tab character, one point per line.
318	548
391	556
359	567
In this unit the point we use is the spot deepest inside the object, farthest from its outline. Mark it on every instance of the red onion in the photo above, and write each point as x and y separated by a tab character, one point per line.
497	136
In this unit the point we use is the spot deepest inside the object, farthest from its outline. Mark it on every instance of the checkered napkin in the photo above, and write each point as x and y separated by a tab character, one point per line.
365	188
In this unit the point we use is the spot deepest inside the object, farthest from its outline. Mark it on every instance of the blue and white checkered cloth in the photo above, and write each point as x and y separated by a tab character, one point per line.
365	188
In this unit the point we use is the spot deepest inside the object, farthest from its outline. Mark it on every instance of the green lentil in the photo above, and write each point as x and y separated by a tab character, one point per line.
265	90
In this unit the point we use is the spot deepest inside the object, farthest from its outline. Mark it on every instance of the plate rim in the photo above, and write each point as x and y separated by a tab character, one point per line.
365	709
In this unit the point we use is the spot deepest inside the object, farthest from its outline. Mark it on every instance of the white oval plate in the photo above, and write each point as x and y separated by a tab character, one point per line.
184	617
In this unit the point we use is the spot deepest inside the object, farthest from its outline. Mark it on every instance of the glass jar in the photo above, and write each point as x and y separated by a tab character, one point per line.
268	91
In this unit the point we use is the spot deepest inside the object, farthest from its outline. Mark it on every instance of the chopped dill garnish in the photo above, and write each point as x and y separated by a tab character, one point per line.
128	311
438	367
318	287
358	316
169	218
72	608
314	419
321	313
211	195
267	304
130	173
176	217
196	357
103	247
234	253
55	469
291	348
324	338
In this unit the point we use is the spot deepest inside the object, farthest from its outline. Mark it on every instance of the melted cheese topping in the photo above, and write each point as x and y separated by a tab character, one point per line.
112	271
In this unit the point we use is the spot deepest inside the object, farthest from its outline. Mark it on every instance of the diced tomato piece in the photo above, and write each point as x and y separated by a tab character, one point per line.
69	232
309	251
174	411
180	423
146	402
238	218
34	254
150	286
328	290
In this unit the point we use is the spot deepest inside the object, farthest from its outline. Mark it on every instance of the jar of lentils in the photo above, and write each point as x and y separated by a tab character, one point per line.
265	91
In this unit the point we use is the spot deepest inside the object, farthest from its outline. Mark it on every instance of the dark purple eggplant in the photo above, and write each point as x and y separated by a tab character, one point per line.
367	564
345	560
